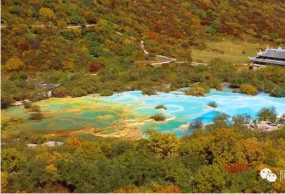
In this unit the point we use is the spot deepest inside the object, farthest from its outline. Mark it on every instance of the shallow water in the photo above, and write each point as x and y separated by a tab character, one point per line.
65	114
187	108
133	108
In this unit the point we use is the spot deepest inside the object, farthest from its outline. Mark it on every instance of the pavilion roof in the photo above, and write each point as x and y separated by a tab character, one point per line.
267	61
273	53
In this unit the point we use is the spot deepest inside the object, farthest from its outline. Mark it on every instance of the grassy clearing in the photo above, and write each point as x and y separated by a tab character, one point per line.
229	49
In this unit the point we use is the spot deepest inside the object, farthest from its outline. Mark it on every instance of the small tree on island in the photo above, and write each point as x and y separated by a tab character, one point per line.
35	108
36	113
213	104
221	120
197	124
248	89
27	104
36	116
158	117
267	114
196	91
241	119
148	91
160	107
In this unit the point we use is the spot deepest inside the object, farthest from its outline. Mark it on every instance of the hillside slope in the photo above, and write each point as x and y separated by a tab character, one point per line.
93	46
169	28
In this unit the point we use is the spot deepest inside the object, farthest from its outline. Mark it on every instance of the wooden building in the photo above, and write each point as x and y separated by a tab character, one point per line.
269	57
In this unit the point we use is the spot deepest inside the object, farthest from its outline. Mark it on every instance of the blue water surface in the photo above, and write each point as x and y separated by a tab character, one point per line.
182	108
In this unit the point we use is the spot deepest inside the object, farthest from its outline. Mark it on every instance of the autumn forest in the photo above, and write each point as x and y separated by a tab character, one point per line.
68	49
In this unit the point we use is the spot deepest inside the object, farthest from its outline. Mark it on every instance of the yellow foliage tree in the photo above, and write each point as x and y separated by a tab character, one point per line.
252	148
4	180
227	147
68	65
46	13
248	89
74	142
196	91
163	145
210	179
89	151
13	64
61	23
51	157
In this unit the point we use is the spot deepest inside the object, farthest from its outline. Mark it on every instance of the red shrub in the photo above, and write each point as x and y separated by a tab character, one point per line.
237	167
24	46
94	67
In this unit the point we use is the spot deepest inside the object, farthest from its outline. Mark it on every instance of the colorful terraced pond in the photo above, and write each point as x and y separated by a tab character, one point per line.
127	114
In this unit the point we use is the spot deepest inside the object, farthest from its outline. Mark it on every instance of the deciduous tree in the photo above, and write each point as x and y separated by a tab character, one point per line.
13	64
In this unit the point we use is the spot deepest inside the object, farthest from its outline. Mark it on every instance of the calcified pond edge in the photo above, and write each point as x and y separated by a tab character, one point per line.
126	115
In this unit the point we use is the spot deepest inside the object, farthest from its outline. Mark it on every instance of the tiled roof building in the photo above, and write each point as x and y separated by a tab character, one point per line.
270	57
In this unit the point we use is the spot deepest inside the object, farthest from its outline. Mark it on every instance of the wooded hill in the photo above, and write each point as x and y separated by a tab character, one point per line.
167	27
94	46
